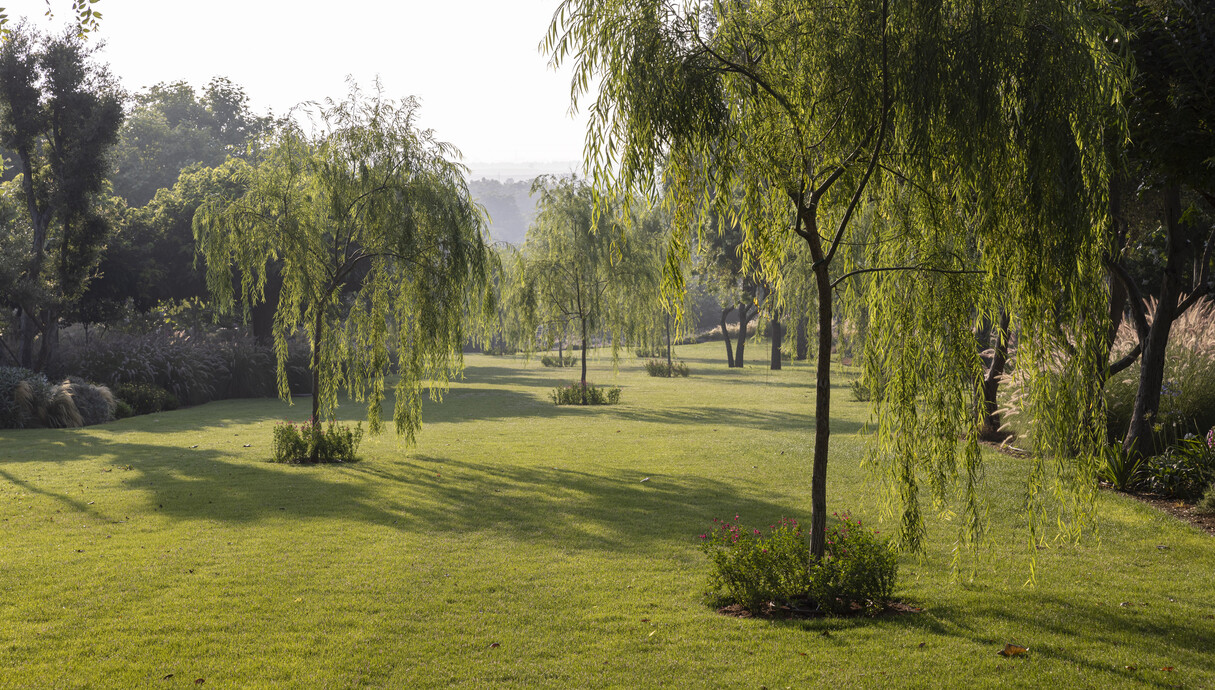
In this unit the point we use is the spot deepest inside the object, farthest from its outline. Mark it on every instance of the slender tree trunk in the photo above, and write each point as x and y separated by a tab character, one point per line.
991	381
725	335
744	317
1139	440
777	337
584	341
316	380
822	415
803	338
670	365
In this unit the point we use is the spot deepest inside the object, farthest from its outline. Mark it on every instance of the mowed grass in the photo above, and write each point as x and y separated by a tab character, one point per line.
517	545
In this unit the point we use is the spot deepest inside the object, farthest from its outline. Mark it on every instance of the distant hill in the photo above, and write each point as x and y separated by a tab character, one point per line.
503	189
510	208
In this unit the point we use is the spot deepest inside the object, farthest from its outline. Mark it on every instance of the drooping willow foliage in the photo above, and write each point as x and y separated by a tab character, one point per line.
951	152
381	251
591	274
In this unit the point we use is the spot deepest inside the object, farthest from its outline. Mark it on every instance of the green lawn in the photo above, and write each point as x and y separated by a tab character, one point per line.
516	545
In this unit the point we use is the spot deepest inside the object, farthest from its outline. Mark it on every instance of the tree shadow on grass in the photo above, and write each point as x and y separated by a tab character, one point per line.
1091	625
570	509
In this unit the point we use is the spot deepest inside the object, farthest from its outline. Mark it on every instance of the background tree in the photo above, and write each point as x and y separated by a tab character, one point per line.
1171	159
585	267
59	115
382	250
818	110
170	128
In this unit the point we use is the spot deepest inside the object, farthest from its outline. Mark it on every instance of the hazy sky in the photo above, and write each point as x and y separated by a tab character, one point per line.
474	64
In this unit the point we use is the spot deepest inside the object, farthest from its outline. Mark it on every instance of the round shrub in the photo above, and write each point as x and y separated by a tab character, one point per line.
573	394
753	567
145	398
858	569
95	404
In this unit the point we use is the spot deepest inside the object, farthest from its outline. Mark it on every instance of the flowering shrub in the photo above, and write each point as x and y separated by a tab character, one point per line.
573	395
858	568
752	567
309	442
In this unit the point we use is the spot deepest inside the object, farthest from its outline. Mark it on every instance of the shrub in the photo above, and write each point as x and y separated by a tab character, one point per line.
751	568
308	442
189	367
249	371
572	395
95	404
658	367
1184	470
559	361
12	412
145	398
650	352
857	569
122	409
1121	470
1207	505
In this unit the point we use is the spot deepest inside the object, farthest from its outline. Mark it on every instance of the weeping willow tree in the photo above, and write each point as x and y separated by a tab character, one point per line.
887	135
590	270
381	251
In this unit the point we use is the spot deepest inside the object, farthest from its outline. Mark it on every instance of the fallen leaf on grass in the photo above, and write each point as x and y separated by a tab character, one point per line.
645	620
646	479
1166	668
248	445
1132	668
167	677
199	681
1011	649
494	645
921	645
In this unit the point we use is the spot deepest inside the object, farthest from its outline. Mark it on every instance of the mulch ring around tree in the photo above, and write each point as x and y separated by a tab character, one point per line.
808	610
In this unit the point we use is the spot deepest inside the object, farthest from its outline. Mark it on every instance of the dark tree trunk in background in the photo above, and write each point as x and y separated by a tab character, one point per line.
725	335
803	338
777	337
991	382
1179	252
744	316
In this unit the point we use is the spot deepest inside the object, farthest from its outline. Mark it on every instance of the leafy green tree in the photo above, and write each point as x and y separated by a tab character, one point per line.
912	114
59	114
585	268
382	251
1171	158
171	128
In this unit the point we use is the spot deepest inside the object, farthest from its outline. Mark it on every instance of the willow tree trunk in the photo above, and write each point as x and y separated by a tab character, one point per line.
725	335
822	413
314	453
584	361
777	336
991	381
1179	249
670	365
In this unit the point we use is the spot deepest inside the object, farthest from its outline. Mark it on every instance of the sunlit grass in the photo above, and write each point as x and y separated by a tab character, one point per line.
128	555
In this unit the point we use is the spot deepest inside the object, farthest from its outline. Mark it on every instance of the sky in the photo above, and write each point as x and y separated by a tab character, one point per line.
474	64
